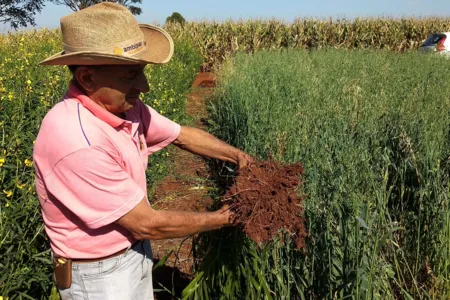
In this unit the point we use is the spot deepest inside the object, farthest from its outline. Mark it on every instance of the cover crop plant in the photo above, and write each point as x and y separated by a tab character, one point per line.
371	129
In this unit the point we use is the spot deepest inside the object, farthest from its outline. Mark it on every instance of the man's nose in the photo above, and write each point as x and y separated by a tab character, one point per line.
142	83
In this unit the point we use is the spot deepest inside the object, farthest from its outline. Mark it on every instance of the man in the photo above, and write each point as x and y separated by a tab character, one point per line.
92	151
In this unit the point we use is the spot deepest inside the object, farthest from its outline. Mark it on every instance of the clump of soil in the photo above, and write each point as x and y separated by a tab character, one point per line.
264	199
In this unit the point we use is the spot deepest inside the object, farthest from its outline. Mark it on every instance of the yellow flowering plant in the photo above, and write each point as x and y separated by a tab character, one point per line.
27	93
28	162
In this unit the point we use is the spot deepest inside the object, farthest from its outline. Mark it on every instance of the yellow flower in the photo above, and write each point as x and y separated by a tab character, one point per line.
28	162
8	193
28	81
21	186
7	205
2	161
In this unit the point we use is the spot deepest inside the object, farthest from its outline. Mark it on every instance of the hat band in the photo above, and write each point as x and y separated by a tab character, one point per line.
127	48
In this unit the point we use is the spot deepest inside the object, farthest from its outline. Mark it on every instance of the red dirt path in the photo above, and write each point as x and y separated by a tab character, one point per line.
186	190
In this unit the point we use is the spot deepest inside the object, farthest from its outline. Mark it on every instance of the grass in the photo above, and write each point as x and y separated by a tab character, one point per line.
372	129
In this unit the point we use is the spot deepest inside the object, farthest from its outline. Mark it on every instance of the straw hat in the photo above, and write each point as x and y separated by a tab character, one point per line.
107	33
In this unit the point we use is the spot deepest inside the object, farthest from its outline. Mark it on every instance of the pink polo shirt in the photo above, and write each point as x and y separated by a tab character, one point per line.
90	171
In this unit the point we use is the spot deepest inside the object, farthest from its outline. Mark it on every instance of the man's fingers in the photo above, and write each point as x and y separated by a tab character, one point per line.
244	160
228	210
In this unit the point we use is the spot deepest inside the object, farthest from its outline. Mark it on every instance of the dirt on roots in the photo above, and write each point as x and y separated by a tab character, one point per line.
264	199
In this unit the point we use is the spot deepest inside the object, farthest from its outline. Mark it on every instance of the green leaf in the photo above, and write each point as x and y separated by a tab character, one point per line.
163	260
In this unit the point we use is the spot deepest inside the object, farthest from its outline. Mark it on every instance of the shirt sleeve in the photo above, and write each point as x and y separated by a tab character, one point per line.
159	131
94	186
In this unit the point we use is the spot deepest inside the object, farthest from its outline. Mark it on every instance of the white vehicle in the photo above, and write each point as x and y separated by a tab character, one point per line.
437	42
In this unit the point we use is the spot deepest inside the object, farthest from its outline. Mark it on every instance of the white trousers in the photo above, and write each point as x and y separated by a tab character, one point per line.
126	276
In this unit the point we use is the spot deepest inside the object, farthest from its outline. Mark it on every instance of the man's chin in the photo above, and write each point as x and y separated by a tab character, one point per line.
132	101
129	103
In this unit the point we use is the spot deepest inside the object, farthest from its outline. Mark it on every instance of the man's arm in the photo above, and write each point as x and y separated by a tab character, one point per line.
144	222
200	142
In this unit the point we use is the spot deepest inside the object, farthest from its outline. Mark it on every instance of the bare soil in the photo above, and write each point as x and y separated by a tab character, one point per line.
187	189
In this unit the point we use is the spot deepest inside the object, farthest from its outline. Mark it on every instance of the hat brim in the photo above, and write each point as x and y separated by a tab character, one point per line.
160	49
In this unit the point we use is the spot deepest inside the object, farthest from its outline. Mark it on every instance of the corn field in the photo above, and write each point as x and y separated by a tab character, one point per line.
216	41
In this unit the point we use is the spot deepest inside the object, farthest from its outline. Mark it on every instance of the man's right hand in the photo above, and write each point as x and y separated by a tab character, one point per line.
227	211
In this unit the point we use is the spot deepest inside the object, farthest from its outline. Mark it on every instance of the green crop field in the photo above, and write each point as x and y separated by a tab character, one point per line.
370	127
218	40
372	130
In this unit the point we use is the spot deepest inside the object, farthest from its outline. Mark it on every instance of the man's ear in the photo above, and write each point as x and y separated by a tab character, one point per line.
84	75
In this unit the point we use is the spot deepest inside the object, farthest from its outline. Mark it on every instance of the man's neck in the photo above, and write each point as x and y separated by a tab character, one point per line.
75	82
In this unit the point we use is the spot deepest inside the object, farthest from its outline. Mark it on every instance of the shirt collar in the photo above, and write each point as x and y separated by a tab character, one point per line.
75	93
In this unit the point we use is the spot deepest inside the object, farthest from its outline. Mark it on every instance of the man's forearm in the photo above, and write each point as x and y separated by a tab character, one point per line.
204	144
175	224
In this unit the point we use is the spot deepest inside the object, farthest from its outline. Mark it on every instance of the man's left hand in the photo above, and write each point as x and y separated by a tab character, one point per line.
244	160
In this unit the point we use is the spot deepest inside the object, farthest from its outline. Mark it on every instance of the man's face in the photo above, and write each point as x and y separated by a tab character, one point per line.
118	87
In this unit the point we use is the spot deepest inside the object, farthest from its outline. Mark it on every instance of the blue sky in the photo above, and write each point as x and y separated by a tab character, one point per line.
157	11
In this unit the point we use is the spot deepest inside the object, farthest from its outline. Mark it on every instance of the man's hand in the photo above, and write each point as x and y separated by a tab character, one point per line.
226	213
244	160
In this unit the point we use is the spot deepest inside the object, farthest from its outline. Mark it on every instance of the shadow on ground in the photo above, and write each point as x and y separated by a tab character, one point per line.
169	282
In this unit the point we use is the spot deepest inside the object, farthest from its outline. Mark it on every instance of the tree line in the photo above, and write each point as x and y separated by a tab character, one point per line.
21	13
